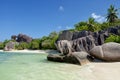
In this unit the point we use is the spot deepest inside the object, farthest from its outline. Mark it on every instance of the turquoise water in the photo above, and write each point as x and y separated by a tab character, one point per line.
25	66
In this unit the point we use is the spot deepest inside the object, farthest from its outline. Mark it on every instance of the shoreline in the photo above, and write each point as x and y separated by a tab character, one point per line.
90	71
31	51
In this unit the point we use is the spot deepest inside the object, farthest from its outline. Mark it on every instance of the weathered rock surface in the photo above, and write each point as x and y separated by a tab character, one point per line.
77	34
13	37
83	44
64	46
20	38
78	58
65	35
10	46
77	45
71	45
107	52
75	58
84	40
55	57
23	38
100	37
114	30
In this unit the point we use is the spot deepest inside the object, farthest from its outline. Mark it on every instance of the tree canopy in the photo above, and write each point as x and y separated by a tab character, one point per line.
112	14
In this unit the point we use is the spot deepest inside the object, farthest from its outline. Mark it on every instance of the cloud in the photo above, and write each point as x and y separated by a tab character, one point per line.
98	18
95	16
61	8
68	27
65	27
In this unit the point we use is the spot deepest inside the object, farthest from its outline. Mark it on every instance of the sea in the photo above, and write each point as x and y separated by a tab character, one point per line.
31	66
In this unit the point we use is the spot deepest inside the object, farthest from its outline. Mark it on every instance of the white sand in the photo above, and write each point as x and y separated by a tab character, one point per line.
31	51
101	71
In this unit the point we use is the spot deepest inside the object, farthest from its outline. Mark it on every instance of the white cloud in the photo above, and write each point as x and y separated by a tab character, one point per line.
61	8
95	16
98	18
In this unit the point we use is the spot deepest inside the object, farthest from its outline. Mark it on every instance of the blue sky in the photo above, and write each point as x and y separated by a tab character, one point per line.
38	18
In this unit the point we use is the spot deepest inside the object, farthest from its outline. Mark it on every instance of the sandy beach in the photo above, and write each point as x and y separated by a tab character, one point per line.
101	71
31	51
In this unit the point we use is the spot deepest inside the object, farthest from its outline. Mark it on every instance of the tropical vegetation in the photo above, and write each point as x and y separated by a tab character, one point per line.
113	38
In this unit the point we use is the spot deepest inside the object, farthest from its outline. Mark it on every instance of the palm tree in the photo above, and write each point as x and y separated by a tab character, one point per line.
112	14
91	24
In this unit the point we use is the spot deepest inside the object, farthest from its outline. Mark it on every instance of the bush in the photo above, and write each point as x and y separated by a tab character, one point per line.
5	42
48	42
22	45
1	46
105	25
113	38
34	45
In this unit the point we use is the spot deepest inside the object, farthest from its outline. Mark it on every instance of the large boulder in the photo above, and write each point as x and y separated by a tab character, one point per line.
65	35
64	46
113	30
74	45
107	52
80	34
23	38
83	44
10	46
13	37
80	58
77	45
55	57
100	37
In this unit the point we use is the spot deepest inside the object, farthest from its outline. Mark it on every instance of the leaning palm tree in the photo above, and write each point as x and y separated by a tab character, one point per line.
112	14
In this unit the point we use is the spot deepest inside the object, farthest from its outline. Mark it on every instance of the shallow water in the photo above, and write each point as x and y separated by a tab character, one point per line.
25	66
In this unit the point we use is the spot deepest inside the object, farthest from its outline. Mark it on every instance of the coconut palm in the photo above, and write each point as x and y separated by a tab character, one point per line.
112	14
91	24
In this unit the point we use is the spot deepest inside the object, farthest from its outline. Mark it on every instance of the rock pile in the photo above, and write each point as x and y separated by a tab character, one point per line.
20	38
72	45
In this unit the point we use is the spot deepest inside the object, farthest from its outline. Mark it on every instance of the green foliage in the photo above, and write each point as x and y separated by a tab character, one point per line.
113	38
93	25
5	42
1	46
22	45
105	25
72	30
35	44
116	23
90	25
112	14
48	42
81	26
